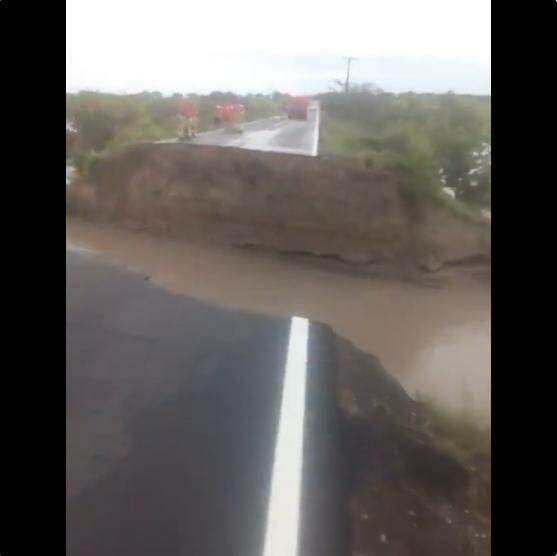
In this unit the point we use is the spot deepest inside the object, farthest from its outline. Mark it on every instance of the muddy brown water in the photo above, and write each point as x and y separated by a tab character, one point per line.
435	340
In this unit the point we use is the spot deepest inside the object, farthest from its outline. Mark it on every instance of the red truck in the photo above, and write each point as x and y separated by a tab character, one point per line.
296	107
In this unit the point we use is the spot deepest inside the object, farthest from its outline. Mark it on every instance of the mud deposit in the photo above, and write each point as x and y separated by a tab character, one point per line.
434	338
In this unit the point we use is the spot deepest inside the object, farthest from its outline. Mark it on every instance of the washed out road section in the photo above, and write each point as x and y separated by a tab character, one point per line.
444	357
173	409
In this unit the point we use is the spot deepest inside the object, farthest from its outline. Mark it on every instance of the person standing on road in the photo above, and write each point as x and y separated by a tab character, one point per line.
188	113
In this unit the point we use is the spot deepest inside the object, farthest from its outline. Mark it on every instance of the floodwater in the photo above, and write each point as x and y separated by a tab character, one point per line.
434	340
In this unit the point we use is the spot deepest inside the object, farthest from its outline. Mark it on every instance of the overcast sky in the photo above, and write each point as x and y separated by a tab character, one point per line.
294	46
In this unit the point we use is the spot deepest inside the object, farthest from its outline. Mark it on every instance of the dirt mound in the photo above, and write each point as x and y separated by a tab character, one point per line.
280	201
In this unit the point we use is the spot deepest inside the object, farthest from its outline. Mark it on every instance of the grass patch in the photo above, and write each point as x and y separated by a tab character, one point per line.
458	434
406	152
460	209
341	138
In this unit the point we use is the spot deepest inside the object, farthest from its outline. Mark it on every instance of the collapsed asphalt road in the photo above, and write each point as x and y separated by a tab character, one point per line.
275	134
188	431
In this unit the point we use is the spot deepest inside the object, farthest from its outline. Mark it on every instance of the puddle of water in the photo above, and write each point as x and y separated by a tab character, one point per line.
436	341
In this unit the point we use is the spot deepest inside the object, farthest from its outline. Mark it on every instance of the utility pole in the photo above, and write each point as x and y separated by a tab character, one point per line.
349	60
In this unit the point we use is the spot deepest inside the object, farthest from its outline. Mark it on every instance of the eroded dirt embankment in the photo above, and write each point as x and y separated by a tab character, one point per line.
284	202
407	496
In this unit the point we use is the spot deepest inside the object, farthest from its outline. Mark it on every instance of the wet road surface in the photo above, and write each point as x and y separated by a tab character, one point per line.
174	409
275	134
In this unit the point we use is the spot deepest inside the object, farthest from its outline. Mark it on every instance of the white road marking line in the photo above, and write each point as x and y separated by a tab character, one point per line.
316	132
283	517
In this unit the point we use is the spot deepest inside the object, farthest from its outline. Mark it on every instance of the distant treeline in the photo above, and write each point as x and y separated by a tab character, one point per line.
98	122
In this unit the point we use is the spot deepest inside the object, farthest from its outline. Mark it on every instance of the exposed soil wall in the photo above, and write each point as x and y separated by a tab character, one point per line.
280	201
406	497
